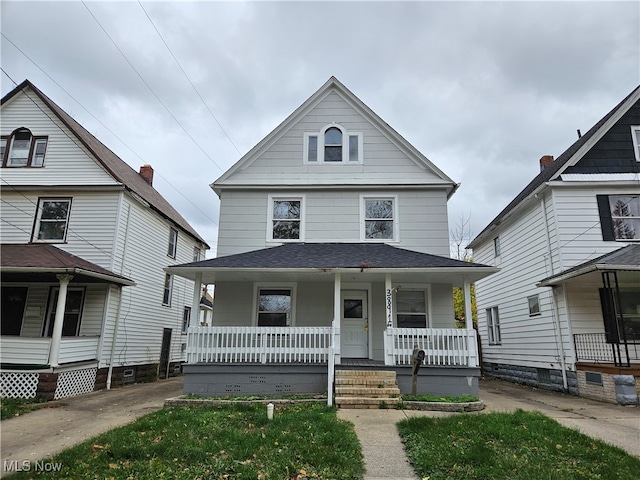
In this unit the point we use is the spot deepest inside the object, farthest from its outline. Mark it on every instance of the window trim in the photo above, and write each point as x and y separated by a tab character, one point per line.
363	219
34	139
169	289
635	137
493	326
319	135
172	246
292	287
532	311
38	220
290	198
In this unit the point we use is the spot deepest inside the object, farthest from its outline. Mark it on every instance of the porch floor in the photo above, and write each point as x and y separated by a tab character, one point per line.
360	362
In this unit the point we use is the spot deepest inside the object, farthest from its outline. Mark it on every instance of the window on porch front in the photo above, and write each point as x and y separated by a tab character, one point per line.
274	307
411	309
14	300
72	312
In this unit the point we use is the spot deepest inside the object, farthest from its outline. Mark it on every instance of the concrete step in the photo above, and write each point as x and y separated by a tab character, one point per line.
365	403
358	391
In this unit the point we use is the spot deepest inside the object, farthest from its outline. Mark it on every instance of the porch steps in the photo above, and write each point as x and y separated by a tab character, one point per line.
366	389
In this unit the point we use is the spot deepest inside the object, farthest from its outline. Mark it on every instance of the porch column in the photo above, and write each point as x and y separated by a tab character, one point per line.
388	336
56	337
337	314
195	304
468	315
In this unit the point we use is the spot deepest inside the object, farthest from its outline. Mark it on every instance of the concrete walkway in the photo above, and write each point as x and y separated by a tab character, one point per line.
384	453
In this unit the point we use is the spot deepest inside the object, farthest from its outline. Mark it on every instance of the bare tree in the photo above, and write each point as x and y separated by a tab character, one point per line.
459	238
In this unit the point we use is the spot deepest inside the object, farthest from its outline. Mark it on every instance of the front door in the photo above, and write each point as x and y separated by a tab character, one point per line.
354	327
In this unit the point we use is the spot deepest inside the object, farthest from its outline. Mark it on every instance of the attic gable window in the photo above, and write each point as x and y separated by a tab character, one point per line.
21	149
333	144
635	134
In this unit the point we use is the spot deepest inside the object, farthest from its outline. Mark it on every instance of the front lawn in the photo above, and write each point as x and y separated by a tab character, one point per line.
219	442
12	407
520	445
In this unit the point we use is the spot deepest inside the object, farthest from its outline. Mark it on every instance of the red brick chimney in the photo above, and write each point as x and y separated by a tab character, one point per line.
545	161
146	172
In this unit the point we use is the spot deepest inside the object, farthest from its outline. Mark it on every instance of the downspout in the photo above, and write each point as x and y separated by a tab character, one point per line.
554	304
115	327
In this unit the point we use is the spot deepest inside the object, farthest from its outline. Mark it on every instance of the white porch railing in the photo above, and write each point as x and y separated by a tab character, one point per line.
442	346
258	344
35	351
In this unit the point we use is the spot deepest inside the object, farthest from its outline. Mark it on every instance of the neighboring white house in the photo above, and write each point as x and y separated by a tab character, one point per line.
564	311
85	300
333	246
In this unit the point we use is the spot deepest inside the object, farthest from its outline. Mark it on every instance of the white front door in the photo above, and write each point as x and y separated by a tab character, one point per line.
354	326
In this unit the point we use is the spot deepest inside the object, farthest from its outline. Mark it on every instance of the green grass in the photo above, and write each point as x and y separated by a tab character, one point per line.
520	445
427	397
220	442
12	407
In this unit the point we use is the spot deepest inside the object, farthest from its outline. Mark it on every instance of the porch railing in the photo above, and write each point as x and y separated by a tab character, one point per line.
258	344
35	351
593	347
442	346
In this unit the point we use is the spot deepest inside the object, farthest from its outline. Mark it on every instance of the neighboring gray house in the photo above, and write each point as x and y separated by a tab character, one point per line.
85	300
333	248
564	311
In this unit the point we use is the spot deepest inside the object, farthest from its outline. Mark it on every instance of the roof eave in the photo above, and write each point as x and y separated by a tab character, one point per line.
71	271
598	267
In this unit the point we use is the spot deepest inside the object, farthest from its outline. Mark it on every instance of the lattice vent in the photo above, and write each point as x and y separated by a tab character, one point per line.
18	384
75	382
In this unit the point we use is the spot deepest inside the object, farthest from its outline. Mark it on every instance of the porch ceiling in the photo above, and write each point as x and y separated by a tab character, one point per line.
319	262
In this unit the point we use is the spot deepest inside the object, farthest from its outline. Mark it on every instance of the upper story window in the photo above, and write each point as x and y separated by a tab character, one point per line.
333	144
286	219
173	242
21	149
52	220
496	247
619	217
534	305
635	134
197	254
379	218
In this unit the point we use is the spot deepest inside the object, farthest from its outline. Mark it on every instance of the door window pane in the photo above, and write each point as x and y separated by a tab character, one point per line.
352	308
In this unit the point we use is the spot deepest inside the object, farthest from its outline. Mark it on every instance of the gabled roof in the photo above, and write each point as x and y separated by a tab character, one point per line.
44	261
333	85
333	257
111	163
624	259
568	158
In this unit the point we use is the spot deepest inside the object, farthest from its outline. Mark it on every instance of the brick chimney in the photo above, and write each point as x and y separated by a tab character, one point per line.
146	172
545	161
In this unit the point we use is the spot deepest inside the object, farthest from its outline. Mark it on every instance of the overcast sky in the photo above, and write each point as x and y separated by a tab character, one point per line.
483	89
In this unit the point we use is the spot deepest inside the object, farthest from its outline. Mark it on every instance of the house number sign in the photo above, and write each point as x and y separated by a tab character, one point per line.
389	300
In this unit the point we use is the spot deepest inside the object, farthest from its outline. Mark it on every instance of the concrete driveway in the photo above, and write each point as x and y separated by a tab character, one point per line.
69	421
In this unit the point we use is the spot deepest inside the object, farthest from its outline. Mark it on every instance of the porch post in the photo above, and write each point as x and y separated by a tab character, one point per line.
468	315
56	337
195	304
337	313
388	336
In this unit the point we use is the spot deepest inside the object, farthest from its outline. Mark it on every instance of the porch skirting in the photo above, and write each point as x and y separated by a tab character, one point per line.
545	378
226	380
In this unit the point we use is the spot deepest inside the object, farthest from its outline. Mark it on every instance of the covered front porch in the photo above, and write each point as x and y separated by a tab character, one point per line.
54	309
328	304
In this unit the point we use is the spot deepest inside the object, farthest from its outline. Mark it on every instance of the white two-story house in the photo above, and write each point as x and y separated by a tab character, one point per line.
84	238
333	247
564	311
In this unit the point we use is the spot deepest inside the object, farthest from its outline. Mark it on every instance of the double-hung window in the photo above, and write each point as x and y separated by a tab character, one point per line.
52	219
72	311
173	242
274	307
379	219
493	324
168	290
619	217
186	319
534	305
635	134
411	309
286	219
22	149
333	144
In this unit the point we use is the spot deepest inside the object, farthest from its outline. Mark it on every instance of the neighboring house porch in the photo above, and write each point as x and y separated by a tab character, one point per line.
54	310
300	309
602	298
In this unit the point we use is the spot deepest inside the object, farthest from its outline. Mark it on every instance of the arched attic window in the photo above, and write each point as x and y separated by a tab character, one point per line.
333	144
22	149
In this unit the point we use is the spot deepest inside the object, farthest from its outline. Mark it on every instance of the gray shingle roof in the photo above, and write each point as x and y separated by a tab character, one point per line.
113	164
332	255
549	172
